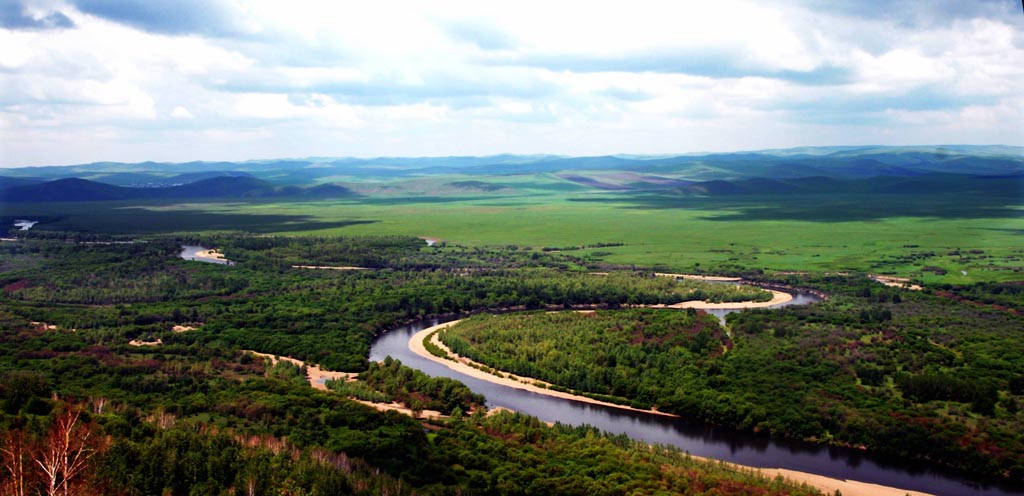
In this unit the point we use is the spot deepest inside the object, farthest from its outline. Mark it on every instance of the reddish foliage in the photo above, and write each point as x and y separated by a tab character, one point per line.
961	299
17	285
36	355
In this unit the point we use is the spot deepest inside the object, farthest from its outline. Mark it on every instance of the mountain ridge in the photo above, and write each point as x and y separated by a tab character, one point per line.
84	190
846	160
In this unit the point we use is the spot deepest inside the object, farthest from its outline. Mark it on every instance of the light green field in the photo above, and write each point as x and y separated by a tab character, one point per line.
896	234
674	238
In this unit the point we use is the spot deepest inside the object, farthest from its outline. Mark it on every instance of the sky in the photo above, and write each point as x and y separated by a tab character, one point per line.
173	81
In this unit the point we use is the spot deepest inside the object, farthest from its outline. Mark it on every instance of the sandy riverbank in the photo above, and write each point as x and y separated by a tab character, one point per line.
699	278
211	254
846	487
828	485
462	365
778	298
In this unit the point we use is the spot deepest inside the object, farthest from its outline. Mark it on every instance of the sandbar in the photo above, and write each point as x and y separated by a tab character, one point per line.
896	282
828	485
700	278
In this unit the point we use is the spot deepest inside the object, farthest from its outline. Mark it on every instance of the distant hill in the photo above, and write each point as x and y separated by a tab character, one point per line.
156	180
476	186
82	190
10	182
650	172
1002	186
64	190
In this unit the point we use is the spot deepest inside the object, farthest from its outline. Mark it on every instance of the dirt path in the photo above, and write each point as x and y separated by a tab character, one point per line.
397	407
139	342
316	376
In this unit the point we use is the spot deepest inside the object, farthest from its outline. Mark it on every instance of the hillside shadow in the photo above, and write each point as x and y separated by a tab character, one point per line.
134	220
828	208
412	200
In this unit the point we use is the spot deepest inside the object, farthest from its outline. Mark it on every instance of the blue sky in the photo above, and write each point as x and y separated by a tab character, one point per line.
120	80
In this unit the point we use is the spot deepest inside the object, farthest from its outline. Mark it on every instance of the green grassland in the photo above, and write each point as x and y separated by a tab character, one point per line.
936	229
929	236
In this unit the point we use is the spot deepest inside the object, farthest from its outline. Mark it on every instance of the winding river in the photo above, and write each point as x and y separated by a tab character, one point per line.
697	438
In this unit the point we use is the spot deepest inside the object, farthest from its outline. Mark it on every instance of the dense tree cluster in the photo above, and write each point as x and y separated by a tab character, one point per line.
636	354
324	316
1007	296
934	373
213	421
391	381
902	373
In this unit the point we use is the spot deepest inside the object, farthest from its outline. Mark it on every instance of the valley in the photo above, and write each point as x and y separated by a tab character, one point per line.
917	388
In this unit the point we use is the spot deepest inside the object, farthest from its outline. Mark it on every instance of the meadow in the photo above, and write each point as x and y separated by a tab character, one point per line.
928	237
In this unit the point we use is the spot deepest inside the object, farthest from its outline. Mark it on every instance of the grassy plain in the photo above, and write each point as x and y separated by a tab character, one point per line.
898	234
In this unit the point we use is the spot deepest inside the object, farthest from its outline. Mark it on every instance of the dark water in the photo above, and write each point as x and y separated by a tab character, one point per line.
694	437
189	252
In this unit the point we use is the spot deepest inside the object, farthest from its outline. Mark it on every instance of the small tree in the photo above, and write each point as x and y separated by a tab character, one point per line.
65	454
14	451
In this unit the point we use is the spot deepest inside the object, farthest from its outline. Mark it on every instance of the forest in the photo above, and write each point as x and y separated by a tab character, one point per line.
129	359
632	354
142	289
930	375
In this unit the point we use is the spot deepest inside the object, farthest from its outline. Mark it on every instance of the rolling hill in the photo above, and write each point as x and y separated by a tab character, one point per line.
856	169
82	190
844	162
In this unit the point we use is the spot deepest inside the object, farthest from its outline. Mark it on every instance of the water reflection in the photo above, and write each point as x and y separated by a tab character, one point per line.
697	438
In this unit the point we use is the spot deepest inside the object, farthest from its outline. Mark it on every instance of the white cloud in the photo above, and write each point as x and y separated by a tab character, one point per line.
180	112
901	68
450	77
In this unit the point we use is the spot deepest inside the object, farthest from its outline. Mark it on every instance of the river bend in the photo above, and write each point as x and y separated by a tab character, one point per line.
697	438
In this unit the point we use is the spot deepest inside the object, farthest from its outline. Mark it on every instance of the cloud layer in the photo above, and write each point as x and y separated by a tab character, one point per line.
89	80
